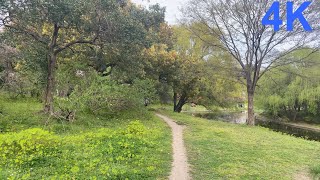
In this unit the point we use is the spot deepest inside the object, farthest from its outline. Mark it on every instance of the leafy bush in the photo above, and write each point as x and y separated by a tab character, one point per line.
147	89
89	92
1	109
5	124
102	97
105	153
26	147
19	114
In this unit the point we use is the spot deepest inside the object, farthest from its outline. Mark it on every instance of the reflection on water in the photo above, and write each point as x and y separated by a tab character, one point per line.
241	117
231	117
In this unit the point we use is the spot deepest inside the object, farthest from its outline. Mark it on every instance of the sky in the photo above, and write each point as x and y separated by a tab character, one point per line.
172	7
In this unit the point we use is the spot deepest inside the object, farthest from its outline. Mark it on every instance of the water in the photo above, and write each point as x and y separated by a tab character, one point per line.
231	117
241	117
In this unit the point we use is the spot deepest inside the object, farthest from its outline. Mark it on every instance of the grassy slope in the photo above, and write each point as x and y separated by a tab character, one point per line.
17	115
220	150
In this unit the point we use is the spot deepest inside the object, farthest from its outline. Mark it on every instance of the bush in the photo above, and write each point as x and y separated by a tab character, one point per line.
1	109
102	154
147	90
102	97
26	147
5	124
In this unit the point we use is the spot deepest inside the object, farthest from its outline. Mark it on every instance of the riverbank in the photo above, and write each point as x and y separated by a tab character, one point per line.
219	150
307	131
298	129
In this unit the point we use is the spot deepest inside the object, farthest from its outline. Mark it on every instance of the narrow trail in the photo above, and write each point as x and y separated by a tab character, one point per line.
180	167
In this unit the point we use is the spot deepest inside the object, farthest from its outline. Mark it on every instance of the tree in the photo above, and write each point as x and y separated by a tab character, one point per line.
58	25
188	77
220	86
112	28
190	69
29	64
208	80
161	65
7	55
256	48
293	90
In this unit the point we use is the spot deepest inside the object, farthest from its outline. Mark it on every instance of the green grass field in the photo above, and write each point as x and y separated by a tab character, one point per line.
219	150
140	148
35	147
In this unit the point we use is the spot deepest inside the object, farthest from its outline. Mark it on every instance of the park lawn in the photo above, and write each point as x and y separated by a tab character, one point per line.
218	150
89	148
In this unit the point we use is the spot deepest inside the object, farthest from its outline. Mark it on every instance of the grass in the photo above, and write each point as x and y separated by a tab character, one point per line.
197	108
96	147
219	150
316	171
91	147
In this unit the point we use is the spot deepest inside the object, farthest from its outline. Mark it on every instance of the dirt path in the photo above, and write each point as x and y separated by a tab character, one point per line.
180	167
303	175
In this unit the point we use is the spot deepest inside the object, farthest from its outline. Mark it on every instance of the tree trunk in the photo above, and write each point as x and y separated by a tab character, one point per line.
251	118
178	107
52	61
181	103
295	113
175	97
48	106
8	69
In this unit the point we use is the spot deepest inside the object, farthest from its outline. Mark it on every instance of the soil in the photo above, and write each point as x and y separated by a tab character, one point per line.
180	166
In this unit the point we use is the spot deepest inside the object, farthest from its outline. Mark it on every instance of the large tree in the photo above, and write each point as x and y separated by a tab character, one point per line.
256	48
113	30
58	25
190	69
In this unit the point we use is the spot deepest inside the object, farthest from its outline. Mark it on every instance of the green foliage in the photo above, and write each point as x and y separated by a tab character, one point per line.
18	114
104	153
293	90
5	124
101	96
27	147
91	147
146	89
121	29
1	109
105	97
194	70
24	65
316	171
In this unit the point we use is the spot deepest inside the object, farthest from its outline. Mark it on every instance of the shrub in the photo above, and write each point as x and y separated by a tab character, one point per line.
102	154
1	109
5	124
147	90
103	97
26	147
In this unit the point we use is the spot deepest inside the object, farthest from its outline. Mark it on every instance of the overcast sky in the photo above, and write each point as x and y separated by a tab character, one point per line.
172	7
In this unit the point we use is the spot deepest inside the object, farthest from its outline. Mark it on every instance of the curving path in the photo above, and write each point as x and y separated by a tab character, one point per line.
180	167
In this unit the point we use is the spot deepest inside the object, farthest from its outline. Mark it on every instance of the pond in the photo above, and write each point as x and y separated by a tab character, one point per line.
298	130
231	117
